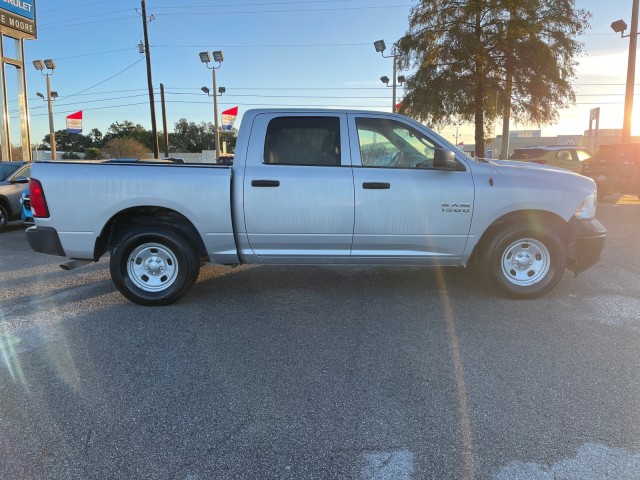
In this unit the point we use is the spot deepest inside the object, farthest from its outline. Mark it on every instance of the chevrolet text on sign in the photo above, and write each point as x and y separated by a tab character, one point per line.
19	15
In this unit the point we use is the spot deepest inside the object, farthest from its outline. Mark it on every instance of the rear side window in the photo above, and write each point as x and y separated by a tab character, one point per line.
303	141
527	154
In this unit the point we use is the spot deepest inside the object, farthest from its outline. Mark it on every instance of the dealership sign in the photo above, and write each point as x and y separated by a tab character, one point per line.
18	15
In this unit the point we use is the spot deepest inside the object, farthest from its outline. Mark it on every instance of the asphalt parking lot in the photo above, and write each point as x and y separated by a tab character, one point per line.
322	372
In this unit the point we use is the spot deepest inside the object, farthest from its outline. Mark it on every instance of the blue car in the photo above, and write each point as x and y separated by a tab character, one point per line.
27	216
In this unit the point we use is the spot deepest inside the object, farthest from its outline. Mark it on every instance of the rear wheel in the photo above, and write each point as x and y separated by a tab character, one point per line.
524	262
154	266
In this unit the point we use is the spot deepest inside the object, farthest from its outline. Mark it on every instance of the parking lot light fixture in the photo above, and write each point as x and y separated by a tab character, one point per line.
218	57
619	26
46	68
380	47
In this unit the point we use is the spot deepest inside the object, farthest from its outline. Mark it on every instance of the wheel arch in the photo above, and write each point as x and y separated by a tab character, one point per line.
534	219
163	217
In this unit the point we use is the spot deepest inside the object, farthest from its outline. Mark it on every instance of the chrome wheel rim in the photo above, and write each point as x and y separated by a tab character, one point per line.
525	262
152	267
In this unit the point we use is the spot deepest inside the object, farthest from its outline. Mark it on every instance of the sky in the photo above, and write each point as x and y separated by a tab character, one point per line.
305	53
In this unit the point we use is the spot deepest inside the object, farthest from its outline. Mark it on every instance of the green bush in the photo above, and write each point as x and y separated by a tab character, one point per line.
93	154
70	156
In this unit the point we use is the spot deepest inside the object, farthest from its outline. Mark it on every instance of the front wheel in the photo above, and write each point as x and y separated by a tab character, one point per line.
154	266
524	262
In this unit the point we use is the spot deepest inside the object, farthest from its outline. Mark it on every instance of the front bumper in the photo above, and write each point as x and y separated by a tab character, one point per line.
586	245
45	240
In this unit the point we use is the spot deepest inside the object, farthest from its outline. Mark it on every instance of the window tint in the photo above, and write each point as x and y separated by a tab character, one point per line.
303	141
563	155
388	143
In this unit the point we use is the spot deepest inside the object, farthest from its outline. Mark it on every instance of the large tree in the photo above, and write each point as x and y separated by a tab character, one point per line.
128	129
69	142
477	58
196	137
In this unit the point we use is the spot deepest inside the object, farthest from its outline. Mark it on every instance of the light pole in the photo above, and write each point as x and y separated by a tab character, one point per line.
381	47
47	65
218	57
619	26
457	125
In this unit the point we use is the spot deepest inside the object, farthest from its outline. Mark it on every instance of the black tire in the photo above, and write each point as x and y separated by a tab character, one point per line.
524	262
154	266
4	218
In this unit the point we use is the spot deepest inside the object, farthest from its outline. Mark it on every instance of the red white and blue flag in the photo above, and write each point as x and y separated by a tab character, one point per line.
74	122
228	118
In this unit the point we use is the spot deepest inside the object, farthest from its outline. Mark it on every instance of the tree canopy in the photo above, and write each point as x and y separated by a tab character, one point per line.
477	58
186	137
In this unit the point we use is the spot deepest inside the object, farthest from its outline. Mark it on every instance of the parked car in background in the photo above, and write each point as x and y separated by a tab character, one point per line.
615	169
27	216
569	157
14	179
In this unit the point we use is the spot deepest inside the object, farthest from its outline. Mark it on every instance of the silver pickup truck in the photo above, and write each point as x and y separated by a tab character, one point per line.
318	187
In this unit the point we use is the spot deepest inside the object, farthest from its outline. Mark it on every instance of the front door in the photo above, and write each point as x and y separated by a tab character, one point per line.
404	207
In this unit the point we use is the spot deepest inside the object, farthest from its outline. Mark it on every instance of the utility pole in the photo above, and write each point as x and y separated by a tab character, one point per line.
164	122
154	129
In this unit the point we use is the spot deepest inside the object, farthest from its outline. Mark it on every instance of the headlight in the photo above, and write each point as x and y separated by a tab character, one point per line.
588	207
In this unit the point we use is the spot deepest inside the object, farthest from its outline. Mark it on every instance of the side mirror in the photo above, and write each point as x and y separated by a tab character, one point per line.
445	160
20	179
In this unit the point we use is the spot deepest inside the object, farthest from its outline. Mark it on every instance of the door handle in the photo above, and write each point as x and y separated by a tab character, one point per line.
265	183
376	185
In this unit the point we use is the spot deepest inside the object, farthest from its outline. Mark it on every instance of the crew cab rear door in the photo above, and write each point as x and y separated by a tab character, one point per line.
298	186
404	205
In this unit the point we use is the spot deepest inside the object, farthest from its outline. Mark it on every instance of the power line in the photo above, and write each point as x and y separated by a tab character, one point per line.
86	23
96	53
67	20
76	6
290	10
72	21
105	80
273	45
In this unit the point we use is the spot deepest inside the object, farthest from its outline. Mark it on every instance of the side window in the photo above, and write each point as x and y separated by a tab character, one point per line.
583	155
303	141
391	144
